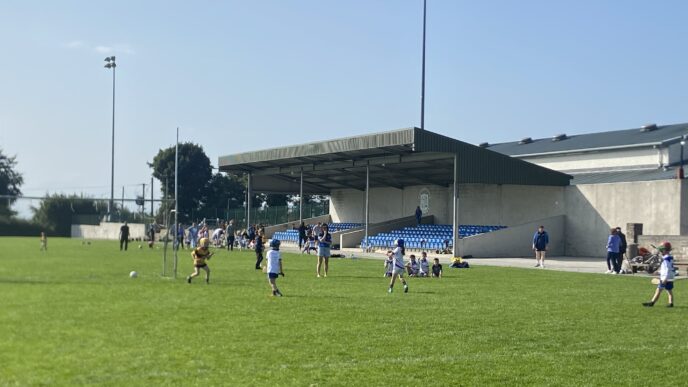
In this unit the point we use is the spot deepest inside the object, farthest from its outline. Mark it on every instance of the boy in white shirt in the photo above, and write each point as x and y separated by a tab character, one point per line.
398	270
274	266
666	275
424	265
412	266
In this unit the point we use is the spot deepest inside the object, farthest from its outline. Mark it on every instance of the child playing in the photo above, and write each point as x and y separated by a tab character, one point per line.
423	265
44	241
310	244
389	264
666	275
436	269
200	255
274	267
398	270
412	266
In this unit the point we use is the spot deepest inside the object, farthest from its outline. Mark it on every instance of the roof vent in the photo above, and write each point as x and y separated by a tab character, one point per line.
559	137
525	140
648	127
484	144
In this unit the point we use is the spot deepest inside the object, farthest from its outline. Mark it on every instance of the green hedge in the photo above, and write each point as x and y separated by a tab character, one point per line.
20	227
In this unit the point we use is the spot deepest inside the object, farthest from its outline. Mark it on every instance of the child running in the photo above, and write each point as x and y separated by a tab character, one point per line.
200	255
666	276
274	267
398	271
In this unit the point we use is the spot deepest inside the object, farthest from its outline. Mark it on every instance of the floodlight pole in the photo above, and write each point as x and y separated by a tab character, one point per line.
112	65
422	83
176	201
455	208
367	205
301	200
152	215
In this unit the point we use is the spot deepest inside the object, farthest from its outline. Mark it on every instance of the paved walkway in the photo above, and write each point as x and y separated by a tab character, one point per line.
573	264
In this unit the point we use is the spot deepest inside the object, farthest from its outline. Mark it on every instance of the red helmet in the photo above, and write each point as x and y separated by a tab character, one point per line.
664	246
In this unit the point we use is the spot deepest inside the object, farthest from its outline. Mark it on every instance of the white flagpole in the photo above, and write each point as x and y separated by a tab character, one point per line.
176	201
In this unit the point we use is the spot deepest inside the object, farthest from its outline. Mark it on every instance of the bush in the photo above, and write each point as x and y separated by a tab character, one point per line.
20	227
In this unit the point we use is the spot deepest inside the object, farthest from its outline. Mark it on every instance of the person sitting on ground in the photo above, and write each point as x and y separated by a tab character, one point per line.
389	264
412	266
436	269
423	265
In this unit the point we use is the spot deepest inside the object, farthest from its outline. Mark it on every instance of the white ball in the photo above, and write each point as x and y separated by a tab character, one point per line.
133	274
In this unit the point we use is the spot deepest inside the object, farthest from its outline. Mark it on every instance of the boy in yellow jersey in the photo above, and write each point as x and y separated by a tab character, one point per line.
200	255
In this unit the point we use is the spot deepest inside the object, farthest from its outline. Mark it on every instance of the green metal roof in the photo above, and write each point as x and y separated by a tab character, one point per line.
397	158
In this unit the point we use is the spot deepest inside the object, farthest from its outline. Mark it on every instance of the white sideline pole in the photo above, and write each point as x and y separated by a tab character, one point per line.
367	205
455	196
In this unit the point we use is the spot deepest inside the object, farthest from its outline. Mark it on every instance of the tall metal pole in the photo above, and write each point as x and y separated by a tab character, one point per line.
301	200
143	201
152	214
112	163
455	208
176	200
249	192
367	205
422	84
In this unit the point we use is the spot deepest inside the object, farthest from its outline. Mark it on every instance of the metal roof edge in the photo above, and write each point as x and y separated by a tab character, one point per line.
588	150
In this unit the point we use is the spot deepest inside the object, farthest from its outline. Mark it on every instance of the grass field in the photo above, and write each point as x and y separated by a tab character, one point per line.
73	316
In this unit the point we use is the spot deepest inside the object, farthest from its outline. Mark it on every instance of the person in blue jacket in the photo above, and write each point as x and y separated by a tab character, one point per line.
613	247
540	242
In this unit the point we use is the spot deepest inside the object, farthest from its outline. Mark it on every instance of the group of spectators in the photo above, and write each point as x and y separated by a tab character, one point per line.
416	267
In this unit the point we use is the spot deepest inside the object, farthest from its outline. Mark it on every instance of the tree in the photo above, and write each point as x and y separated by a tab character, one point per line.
272	200
55	212
194	173
223	191
10	181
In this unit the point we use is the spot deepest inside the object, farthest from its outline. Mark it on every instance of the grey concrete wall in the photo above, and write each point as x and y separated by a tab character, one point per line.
353	238
107	231
271	230
516	241
592	209
478	203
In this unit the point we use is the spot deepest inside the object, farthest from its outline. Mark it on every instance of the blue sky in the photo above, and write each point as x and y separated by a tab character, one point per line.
244	75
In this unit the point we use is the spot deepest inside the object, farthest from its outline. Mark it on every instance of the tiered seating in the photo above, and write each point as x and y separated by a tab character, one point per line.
427	236
293	235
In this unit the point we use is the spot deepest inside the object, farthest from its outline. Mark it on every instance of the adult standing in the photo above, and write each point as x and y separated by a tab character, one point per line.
540	242
229	233
259	250
419	215
193	235
251	232
317	229
151	235
302	234
613	245
124	237
324	244
622	248
180	236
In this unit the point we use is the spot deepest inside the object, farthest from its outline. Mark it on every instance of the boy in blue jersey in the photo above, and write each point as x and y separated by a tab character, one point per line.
666	276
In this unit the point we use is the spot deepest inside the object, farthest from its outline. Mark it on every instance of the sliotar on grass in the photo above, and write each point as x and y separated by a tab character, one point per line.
73	316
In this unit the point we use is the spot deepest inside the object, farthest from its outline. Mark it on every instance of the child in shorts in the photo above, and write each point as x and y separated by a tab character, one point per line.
666	276
274	266
200	256
389	264
44	241
398	270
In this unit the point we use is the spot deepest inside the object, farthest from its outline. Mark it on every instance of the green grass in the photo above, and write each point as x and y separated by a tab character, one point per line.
73	316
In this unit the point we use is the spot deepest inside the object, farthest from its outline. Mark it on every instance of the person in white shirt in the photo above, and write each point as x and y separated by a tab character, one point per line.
398	270
666	276
274	266
389	265
412	266
423	265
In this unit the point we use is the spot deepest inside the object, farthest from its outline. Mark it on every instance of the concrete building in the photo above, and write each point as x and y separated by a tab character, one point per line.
577	186
619	177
